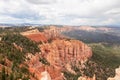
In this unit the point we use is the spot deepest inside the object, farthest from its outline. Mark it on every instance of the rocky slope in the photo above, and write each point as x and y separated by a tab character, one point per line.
35	35
61	52
57	56
55	32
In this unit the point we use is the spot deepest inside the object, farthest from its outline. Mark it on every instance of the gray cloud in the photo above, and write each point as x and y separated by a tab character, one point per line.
74	12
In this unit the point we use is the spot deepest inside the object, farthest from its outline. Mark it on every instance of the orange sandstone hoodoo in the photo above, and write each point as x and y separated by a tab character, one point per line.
61	54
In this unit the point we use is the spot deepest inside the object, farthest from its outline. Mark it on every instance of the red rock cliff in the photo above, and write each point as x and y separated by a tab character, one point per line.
60	54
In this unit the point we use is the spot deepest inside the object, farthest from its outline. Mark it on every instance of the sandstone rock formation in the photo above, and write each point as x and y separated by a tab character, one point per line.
61	52
35	35
52	32
39	70
0	38
55	32
117	76
87	28
90	28
45	76
34	31
87	78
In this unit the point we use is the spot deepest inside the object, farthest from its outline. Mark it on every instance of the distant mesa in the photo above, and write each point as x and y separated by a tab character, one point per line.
90	28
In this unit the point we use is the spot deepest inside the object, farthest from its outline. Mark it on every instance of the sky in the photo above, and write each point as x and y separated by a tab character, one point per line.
61	12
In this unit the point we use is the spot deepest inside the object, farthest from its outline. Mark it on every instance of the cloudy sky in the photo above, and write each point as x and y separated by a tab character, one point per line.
66	12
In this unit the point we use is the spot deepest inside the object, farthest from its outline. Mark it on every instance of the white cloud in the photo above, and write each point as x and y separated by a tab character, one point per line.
41	1
109	21
73	12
